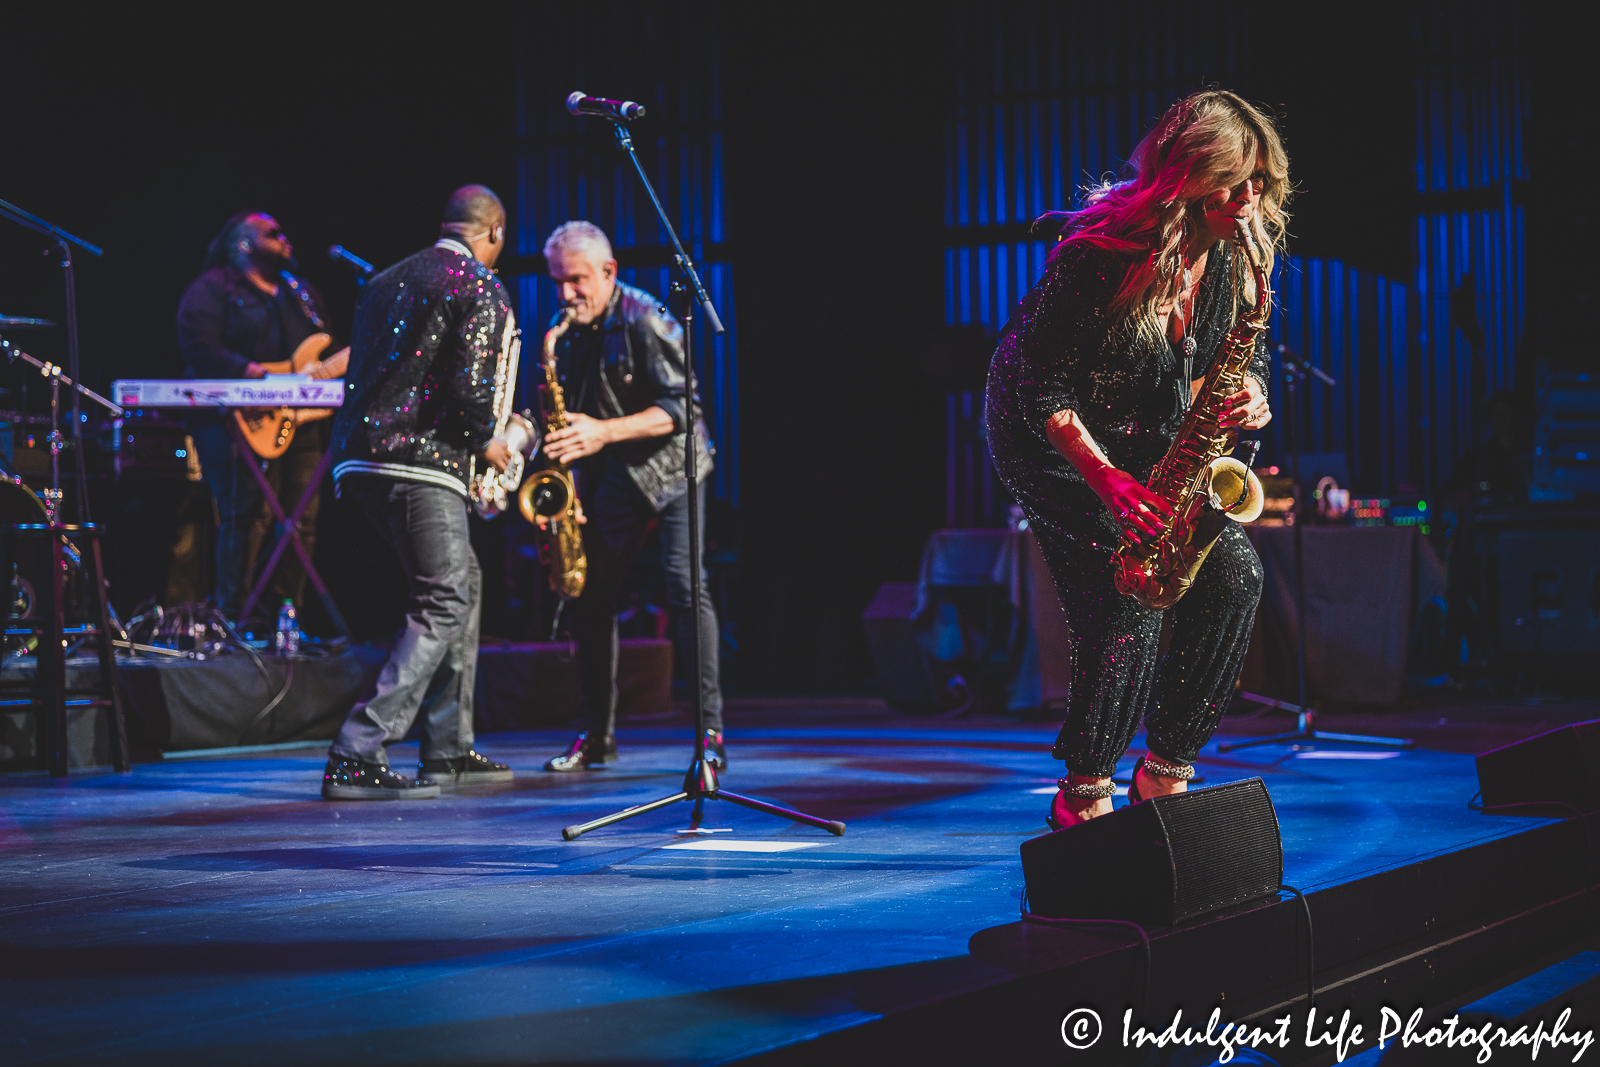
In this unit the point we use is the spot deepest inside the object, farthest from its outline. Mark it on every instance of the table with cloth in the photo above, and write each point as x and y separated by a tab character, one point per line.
984	607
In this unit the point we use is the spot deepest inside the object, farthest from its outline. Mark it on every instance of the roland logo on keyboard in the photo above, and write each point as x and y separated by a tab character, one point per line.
273	391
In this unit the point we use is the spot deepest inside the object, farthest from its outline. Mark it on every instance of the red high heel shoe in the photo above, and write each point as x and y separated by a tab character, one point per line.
1156	765
1081	791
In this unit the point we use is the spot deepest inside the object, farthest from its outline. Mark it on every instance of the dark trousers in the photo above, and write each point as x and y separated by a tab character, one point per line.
1116	659
246	530
431	670
620	520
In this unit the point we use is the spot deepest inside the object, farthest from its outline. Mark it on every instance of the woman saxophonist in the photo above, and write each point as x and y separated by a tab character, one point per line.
1087	390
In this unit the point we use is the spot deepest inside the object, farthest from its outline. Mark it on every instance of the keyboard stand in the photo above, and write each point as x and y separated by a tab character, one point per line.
288	532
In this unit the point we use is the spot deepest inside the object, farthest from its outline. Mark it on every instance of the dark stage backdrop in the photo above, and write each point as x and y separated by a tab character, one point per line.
857	184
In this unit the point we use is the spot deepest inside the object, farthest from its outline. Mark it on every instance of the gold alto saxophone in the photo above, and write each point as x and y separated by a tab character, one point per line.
1204	484
548	498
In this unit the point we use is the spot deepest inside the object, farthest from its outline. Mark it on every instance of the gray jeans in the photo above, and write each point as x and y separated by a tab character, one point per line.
433	665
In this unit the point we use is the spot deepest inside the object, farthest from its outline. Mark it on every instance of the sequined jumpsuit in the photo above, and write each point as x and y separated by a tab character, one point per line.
1060	350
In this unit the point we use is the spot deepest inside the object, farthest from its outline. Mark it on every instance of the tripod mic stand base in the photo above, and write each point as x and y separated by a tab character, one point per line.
1305	730
1318	735
700	785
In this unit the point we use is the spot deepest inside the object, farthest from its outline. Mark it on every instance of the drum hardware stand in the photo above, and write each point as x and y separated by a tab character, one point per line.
700	783
50	693
288	533
1295	370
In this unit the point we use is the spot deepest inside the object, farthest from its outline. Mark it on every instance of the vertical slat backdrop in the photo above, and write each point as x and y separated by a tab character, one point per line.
1045	98
1472	105
668	58
1038	107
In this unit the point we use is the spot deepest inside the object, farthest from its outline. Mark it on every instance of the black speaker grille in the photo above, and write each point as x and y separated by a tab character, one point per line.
1225	846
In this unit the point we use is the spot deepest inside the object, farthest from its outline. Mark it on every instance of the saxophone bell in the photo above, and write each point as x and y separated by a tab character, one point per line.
1235	490
546	495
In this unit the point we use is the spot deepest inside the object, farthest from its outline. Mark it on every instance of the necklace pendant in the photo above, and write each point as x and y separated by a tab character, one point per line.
1189	347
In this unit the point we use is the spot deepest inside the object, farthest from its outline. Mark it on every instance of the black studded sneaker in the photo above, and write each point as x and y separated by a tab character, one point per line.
354	779
584	754
471	769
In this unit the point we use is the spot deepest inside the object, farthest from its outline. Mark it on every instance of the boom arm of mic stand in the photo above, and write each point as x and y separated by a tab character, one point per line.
1294	363
34	222
681	258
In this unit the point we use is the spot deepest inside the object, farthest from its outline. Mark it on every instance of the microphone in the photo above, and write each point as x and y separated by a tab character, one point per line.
340	252
615	110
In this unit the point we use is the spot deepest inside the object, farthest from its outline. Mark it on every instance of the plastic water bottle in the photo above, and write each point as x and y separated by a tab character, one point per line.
287	639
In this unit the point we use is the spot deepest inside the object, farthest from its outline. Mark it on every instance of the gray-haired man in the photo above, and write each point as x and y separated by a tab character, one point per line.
621	367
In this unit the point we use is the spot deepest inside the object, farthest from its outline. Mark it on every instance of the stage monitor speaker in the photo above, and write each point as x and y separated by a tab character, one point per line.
1558	767
1163	862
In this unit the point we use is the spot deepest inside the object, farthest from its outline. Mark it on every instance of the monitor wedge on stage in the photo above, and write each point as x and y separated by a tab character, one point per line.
1558	770
1162	862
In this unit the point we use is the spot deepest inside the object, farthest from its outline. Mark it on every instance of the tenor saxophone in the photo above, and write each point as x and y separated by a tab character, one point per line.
548	498
1205	486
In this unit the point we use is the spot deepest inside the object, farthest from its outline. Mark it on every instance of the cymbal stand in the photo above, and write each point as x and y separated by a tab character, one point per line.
700	784
1294	372
52	496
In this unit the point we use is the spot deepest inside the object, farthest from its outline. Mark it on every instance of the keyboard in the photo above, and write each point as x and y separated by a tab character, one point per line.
273	391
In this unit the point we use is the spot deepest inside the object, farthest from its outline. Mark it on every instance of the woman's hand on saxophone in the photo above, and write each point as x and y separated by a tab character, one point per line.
1138	511
1247	410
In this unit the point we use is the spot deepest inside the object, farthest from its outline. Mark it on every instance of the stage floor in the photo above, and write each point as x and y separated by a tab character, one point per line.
217	910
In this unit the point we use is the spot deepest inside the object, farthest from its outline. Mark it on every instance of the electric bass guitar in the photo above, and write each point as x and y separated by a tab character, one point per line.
268	431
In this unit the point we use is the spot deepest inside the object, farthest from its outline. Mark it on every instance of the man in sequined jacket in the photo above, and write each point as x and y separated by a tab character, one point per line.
418	410
622	370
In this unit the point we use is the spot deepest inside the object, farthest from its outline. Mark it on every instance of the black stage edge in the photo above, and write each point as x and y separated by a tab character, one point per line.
1435	934
173	703
177	704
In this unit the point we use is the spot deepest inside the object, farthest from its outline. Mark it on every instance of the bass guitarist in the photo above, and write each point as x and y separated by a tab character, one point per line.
244	313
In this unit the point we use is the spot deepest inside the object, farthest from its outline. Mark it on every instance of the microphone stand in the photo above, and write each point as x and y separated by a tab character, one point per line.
53	695
700	784
1295	370
65	240
362	268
